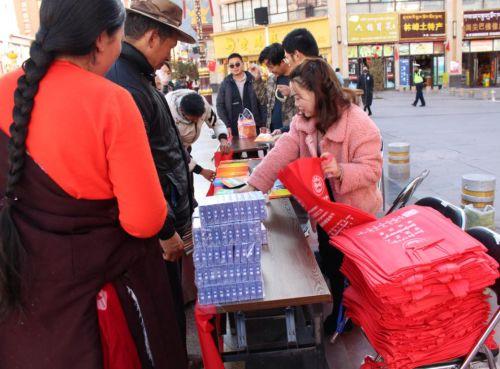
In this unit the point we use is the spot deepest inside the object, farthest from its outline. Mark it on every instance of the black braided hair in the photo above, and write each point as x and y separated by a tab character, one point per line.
67	27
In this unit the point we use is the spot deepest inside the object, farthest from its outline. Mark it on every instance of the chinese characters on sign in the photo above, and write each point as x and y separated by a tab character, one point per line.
370	28
485	23
422	25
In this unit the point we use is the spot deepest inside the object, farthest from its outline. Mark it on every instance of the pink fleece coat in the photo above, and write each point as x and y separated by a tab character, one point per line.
354	141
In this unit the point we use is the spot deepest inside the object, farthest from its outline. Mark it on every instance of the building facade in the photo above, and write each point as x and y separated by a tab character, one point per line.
455	42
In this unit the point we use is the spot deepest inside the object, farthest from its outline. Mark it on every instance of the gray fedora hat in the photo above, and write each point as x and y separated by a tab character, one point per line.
165	12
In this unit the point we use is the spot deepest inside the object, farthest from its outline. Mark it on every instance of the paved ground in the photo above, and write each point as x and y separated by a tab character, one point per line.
451	136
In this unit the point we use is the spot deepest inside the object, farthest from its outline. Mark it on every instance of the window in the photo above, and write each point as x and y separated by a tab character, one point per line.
480	4
383	6
241	14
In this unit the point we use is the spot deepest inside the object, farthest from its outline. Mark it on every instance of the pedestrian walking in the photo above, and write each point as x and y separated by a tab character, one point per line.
151	31
418	80
365	83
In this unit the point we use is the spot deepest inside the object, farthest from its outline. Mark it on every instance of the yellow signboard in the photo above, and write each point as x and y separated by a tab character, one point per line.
249	42
320	29
372	28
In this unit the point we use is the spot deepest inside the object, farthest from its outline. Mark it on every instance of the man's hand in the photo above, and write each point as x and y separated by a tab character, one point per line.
225	146
255	71
173	248
276	132
284	90
208	174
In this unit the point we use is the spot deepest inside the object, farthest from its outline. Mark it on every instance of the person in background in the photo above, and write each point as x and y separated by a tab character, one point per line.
339	75
237	93
418	80
181	83
190	110
280	110
164	74
151	31
328	125
365	83
81	202
196	85
299	44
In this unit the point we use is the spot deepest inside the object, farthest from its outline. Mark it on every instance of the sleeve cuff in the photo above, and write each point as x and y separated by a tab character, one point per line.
168	229
197	169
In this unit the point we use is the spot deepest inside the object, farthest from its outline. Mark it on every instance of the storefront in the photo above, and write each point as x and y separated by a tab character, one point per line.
250	42
481	48
372	38
13	52
422	37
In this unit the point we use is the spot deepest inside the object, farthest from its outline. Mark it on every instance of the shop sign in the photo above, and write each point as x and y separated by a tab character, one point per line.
478	46
388	50
370	28
418	26
404	49
496	45
245	43
352	52
316	26
423	48
438	48
483	23
404	71
455	67
370	51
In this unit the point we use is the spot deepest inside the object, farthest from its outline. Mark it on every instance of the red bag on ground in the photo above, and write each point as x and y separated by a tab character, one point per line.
118	347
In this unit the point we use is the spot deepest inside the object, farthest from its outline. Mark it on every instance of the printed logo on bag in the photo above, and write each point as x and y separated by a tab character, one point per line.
102	300
318	185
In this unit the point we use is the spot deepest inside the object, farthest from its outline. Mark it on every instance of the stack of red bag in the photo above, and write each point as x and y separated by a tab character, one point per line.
416	286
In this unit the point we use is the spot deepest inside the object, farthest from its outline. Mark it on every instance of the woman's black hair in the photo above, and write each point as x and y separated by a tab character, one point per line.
67	27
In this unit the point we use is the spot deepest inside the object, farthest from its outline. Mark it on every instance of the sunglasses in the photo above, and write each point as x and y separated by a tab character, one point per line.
235	65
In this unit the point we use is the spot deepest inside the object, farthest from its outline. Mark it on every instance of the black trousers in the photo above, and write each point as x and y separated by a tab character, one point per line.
368	107
174	270
331	260
420	94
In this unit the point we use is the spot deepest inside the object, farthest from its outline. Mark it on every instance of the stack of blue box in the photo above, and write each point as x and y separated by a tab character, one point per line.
228	238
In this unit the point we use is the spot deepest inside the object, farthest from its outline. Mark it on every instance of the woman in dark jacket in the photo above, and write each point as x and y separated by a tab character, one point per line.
81	200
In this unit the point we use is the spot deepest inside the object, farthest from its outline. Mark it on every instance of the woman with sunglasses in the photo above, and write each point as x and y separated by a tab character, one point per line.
237	93
330	126
81	200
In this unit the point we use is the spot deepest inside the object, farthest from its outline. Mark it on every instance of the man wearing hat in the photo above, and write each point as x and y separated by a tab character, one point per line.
152	30
418	80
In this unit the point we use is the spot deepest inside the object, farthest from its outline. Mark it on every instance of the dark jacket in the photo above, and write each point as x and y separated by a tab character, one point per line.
365	83
230	106
134	73
73	247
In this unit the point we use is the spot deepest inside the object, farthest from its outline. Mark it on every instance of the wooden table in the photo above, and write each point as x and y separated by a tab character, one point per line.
293	285
248	145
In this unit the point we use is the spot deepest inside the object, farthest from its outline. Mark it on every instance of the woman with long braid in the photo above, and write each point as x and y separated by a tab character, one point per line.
80	200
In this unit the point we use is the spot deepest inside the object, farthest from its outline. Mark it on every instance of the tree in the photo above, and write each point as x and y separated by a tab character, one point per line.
377	71
181	69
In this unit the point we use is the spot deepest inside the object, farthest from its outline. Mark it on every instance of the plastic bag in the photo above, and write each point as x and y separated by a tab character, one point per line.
246	125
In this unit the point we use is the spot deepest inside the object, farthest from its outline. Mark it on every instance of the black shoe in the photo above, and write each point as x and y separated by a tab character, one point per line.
414	104
370	113
422	105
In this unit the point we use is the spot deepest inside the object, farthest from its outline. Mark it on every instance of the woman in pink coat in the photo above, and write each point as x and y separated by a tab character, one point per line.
330	126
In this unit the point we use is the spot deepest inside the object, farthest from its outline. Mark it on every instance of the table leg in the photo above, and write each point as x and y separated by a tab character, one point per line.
241	330
319	337
290	326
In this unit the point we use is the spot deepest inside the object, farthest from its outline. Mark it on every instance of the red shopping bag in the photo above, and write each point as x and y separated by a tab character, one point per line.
118	347
304	178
